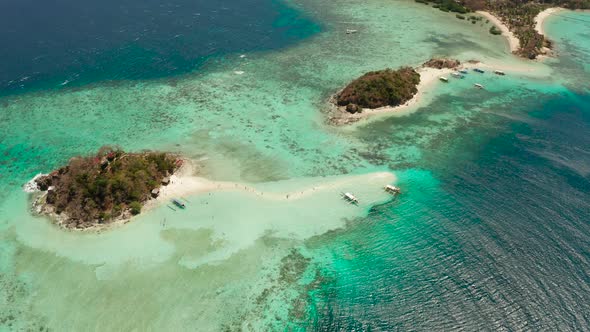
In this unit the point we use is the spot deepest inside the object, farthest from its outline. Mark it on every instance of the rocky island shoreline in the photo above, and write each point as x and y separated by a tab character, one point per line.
100	190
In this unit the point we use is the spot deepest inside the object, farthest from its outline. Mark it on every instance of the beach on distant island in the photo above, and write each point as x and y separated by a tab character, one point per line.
541	18
513	42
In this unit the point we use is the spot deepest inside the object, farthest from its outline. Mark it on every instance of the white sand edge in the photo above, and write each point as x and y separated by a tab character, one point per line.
185	183
513	42
541	18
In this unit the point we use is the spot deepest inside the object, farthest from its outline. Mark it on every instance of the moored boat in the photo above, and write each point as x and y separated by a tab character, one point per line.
463	71
443	79
350	198
457	75
499	72
178	203
351	31
477	70
392	189
479	86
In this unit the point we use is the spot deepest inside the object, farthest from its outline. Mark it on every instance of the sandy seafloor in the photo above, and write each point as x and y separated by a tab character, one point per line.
473	242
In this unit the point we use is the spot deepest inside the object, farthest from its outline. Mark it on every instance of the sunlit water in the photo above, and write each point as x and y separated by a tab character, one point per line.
490	233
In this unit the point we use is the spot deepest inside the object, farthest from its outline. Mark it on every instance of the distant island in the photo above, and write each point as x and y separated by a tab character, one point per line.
97	190
388	90
380	88
519	18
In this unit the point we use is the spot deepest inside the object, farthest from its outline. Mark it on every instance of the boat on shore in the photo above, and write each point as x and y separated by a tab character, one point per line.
443	79
463	71
479	86
350	198
477	70
178	203
499	72
457	75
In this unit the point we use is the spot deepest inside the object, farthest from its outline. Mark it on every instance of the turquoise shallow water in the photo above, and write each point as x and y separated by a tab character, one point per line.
490	233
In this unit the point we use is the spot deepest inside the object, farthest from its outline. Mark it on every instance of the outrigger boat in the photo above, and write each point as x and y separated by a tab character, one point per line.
392	189
477	70
479	86
499	72
178	203
350	198
444	79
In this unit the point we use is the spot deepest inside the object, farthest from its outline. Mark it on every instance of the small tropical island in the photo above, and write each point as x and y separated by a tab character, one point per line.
386	90
380	88
112	185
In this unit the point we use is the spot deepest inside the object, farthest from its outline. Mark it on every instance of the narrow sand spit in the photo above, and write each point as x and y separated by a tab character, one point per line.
185	183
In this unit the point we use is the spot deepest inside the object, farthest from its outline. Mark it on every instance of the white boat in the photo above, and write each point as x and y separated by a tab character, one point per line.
444	79
499	72
350	31
239	72
178	203
350	198
392	189
479	86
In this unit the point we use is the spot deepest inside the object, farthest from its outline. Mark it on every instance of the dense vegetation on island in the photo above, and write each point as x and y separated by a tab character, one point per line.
440	63
375	89
518	15
111	185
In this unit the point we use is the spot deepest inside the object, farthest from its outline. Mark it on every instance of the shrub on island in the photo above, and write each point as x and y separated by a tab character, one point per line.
495	31
376	89
110	185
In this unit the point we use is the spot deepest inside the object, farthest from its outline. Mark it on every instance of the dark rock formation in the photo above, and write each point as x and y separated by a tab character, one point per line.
440	63
44	182
352	108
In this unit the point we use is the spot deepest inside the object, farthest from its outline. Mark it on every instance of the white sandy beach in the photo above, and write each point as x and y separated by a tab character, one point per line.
513	42
540	20
542	17
185	182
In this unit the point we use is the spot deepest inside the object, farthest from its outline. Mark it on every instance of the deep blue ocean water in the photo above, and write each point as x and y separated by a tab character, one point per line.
47	45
